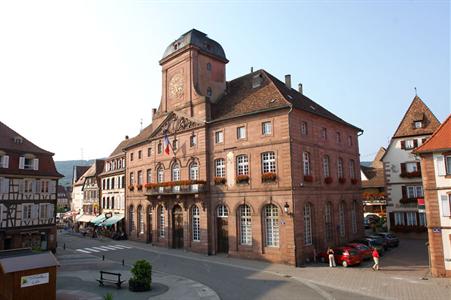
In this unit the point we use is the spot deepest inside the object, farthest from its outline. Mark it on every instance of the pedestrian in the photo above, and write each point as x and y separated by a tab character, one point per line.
376	260
330	254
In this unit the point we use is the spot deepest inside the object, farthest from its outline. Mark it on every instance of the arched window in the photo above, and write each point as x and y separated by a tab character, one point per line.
219	167
194	171
160	174
140	220
351	169
245	225
328	221
340	168
176	175
272	225
242	163
326	166
308	239
306	163
131	218
161	223
222	211
268	162
354	217
341	219
196	223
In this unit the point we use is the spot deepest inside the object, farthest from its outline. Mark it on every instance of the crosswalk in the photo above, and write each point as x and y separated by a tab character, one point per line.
102	248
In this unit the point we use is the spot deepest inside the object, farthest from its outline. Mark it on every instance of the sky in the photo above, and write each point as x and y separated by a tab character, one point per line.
77	76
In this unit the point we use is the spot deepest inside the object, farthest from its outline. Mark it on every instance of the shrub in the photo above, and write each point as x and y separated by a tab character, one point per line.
141	276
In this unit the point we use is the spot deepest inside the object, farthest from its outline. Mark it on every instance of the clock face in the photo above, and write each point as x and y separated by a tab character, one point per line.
176	85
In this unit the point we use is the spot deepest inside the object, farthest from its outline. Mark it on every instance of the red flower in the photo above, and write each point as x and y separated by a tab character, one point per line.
328	180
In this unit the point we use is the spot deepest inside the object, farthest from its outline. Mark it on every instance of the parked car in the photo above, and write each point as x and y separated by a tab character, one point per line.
345	256
364	251
380	240
391	239
372	243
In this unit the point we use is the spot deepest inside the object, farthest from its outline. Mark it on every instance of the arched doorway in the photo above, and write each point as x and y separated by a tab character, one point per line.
177	227
149	224
222	215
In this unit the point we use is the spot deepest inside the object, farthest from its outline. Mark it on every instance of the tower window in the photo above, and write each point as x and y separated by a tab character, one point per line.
209	92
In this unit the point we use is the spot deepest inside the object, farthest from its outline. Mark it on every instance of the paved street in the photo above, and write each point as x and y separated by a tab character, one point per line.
245	279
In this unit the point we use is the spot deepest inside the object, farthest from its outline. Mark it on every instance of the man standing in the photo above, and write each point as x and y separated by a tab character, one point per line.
376	259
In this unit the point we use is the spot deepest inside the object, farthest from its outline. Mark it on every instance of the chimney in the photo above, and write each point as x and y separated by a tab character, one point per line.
288	81
154	111
252	69
300	88
126	137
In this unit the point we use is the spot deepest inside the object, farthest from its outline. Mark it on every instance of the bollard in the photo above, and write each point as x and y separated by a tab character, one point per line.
64	246
123	262
103	257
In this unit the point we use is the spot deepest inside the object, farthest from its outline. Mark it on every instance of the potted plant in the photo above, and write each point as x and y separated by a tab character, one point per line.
328	180
242	179
141	276
308	178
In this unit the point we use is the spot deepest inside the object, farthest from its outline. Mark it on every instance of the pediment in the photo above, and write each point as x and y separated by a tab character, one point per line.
175	123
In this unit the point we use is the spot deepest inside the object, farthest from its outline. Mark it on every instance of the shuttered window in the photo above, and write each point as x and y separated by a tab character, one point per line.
446	199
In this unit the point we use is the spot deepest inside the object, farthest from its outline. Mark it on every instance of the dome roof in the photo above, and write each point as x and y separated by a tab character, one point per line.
198	39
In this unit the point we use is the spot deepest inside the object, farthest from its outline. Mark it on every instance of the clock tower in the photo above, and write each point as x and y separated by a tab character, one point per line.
193	75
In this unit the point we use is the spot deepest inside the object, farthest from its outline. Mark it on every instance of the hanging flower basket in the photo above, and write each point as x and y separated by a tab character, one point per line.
328	180
342	180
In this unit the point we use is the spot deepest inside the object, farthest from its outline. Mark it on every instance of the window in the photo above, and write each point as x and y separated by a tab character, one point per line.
131	156
175	172
272	225
149	175
326	167
26	211
304	128
140	219
448	165
160	148
193	140
28	186
324	133
328	221
44	211
411	167
175	145
44	186
269	162
140	177
222	211
351	169
418	124
196	223
354	217
242	163
411	217
349	141
219	168
131	219
414	191
149	152
306	163
160	174
422	219
161	222
209	92
139	154
266	128
194	171
341	219
340	168
208	66
399	218
409	144
112	202
132	178
241	132
245	225
4	161
219	137
308	239
338	138
112	183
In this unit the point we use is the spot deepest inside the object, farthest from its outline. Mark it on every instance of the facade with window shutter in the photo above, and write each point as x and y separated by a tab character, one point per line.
435	156
402	169
247	175
28	193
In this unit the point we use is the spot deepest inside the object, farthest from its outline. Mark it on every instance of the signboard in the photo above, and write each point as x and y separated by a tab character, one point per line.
436	230
32	280
420	201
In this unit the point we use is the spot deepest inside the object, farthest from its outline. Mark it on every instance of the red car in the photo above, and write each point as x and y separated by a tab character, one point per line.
345	256
363	250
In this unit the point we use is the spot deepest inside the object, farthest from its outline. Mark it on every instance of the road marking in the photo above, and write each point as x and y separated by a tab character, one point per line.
100	248
126	247
84	251
107	248
92	250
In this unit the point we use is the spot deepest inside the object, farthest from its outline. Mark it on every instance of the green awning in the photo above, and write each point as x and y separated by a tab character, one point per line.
99	219
112	220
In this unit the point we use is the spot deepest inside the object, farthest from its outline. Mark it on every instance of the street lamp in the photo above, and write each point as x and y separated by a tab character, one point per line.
285	209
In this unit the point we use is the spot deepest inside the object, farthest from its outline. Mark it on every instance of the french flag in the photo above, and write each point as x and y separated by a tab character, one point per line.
166	143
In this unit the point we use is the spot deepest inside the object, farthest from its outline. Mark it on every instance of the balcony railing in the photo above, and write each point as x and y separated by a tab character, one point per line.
192	187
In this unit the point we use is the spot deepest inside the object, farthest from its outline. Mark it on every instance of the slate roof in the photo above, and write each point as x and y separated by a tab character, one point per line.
142	137
417	111
440	139
244	96
120	148
375	177
79	171
7	136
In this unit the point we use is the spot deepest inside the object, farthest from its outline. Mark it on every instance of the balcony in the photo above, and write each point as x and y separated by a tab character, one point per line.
176	187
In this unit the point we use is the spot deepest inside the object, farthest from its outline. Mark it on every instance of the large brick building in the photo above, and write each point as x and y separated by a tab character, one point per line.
28	193
255	169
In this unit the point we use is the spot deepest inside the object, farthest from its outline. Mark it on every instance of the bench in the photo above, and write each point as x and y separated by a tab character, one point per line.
118	282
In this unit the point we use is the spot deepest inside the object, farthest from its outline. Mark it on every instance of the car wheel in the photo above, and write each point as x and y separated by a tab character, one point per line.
322	259
344	264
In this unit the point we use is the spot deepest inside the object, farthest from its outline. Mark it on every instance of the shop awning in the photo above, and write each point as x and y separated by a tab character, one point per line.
99	219
85	218
113	220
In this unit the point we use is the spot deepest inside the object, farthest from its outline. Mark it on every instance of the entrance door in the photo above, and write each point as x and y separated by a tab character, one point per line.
149	224
223	229
177	227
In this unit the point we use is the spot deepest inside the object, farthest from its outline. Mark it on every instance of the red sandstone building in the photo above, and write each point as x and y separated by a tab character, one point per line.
255	169
435	156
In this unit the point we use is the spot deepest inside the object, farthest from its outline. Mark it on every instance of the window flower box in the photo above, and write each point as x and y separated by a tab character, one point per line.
354	181
139	187
150	185
328	180
269	176
308	178
342	180
242	179
410	174
220	180
408	200
131	187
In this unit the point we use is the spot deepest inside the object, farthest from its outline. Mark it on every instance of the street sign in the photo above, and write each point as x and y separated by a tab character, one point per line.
436	230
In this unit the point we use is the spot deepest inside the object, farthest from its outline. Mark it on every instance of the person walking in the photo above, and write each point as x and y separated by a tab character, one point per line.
376	260
330	253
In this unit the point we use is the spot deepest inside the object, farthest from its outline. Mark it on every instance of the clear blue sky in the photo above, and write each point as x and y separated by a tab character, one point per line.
91	67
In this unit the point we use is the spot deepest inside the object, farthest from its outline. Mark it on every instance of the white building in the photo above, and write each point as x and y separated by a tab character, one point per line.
402	168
